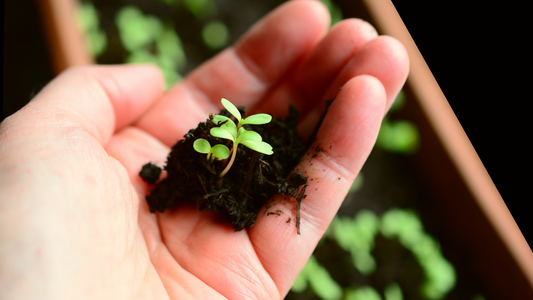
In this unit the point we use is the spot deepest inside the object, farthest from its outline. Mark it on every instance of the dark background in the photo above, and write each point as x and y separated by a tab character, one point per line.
476	53
27	63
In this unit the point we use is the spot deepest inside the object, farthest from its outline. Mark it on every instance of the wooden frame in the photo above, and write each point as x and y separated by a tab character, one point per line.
65	40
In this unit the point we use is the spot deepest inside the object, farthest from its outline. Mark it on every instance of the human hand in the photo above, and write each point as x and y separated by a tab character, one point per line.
73	220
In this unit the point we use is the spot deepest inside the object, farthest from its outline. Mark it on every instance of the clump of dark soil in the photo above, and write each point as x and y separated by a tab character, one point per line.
252	180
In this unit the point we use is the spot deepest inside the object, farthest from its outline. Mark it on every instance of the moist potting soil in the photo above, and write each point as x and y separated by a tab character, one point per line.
252	180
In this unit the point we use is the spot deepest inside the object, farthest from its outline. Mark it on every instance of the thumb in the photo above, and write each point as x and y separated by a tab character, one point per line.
97	99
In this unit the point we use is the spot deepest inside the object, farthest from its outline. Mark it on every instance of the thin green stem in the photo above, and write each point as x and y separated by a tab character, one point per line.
230	162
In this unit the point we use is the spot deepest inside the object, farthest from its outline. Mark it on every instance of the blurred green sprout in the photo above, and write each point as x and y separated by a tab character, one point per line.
400	136
357	235
200	8
407	228
215	35
319	280
88	22
148	40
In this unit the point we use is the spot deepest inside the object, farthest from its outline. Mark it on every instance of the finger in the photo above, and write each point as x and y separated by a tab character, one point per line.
344	141
96	99
244	73
383	58
310	80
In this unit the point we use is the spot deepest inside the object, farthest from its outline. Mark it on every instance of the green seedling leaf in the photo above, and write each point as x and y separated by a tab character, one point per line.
241	131
258	146
222	133
237	134
232	109
248	135
217	151
219	119
220	151
202	146
257	119
228	125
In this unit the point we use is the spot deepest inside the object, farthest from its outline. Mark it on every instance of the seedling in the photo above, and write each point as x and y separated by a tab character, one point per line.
217	151
237	134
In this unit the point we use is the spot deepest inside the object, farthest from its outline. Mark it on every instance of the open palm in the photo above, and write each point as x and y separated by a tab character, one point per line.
73	220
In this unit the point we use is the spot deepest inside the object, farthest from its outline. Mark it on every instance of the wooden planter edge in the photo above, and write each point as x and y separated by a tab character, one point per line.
453	138
65	40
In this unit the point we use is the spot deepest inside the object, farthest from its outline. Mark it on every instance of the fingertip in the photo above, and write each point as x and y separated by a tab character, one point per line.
322	12
314	9
269	49
132	89
403	69
361	28
395	51
384	58
312	78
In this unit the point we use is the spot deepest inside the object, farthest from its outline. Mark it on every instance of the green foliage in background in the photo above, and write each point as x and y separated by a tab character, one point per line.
357	235
145	38
357	183
398	136
362	293
319	280
140	34
334	11
201	9
392	292
215	35
407	228
148	40
88	22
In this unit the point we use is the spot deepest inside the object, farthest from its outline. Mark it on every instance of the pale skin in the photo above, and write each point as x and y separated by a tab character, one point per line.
73	220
